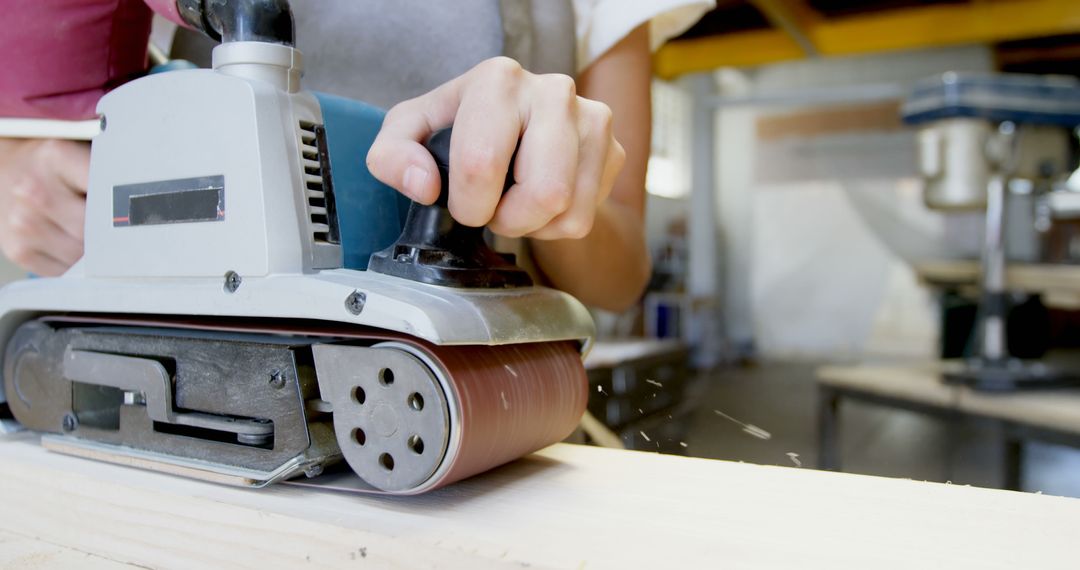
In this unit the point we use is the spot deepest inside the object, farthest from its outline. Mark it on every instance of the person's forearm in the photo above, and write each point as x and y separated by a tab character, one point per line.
607	269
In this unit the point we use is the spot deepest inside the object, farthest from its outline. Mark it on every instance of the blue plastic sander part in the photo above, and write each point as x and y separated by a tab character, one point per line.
370	213
1020	98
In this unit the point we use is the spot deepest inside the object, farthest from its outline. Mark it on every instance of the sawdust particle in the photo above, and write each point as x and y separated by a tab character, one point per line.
654	383
510	370
683	444
601	389
794	458
748	428
505	402
644	436
757	432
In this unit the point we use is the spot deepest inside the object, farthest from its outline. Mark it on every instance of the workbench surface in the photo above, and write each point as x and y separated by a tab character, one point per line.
565	507
1059	284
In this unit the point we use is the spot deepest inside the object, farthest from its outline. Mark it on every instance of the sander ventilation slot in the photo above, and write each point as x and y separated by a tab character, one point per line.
317	183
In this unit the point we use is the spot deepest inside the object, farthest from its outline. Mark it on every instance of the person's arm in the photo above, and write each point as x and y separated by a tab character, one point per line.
610	267
59	59
568	162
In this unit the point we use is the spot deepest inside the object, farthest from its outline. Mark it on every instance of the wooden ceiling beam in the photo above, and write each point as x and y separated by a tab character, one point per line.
793	17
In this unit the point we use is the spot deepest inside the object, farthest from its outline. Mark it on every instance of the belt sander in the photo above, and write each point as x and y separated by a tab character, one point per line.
253	306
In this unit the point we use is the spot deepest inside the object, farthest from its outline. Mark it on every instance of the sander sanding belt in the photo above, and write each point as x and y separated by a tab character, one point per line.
513	399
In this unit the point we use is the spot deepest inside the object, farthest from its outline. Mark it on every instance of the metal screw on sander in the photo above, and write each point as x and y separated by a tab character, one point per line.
354	303
232	281
70	423
277	380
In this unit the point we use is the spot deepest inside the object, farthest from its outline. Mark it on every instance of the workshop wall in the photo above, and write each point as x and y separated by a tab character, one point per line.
820	212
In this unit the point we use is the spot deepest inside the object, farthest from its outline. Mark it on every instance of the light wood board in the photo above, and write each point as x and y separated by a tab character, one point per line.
1060	283
17	551
564	507
921	383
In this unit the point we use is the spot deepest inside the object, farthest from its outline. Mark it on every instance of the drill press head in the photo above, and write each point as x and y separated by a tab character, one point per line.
958	117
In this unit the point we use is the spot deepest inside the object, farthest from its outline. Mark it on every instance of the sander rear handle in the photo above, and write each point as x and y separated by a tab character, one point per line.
50	129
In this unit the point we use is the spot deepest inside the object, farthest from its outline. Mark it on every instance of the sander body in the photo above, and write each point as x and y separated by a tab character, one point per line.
253	306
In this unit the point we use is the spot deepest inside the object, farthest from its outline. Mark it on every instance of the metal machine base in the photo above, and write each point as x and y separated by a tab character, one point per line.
247	404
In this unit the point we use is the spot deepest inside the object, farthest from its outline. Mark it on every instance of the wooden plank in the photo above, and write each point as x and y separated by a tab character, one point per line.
881	117
894	30
17	551
565	507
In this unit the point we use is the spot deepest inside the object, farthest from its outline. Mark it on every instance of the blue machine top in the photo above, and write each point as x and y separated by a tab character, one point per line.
1022	99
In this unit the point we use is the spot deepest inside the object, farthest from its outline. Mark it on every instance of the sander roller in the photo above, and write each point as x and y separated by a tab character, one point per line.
253	306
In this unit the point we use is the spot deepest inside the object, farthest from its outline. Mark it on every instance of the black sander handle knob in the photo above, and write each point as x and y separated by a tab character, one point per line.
434	248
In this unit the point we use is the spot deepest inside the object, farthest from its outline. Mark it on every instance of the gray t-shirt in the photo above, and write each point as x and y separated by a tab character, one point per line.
386	51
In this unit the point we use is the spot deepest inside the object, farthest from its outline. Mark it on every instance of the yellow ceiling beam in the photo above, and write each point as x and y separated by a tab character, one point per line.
911	28
743	49
980	22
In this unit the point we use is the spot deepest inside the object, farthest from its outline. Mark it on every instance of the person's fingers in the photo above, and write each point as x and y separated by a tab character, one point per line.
486	130
32	239
42	264
398	157
46	196
615	158
567	160
42	205
27	254
591	185
57	185
70	161
69	214
547	161
58	244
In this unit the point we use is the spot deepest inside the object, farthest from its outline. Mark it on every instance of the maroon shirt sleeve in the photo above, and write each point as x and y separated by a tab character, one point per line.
58	57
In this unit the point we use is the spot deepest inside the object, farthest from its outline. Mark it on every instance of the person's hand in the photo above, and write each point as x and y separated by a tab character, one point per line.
566	164
43	202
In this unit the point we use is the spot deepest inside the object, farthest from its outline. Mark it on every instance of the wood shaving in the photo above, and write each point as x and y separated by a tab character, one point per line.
748	428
